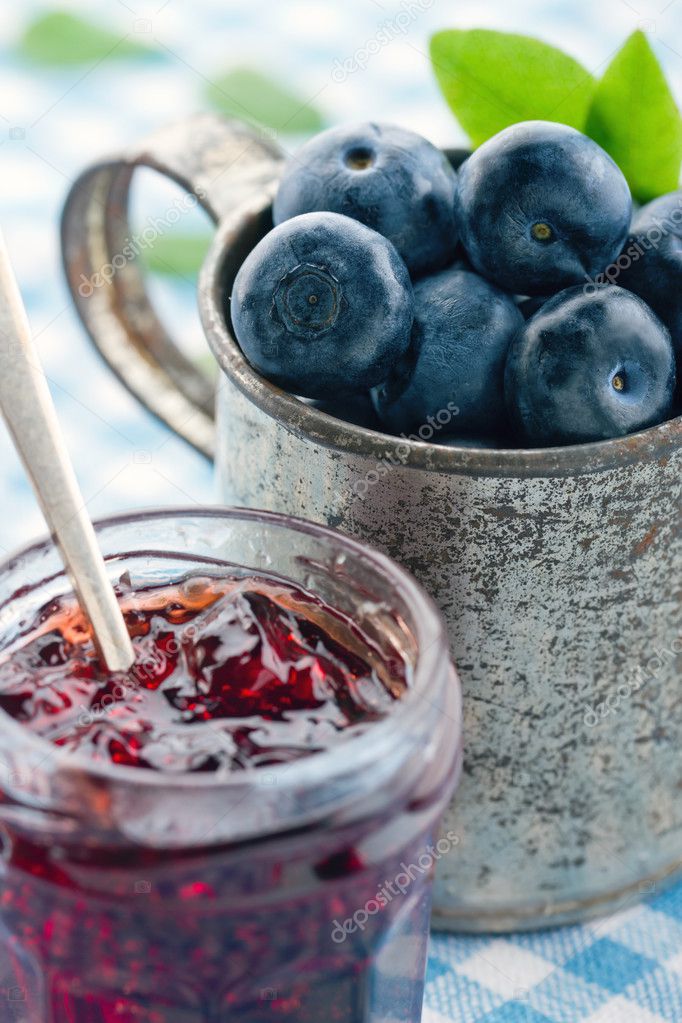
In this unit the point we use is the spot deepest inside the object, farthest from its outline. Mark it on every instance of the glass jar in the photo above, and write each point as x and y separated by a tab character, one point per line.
298	892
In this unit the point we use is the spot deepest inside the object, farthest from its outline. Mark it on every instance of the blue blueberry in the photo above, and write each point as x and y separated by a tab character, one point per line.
454	372
390	179
589	366
651	262
477	443
540	207
356	409
528	306
323	306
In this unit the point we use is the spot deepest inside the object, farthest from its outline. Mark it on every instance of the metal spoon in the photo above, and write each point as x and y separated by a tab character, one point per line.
27	406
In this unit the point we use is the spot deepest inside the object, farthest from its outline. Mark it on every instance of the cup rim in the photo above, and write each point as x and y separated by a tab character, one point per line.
357	751
311	424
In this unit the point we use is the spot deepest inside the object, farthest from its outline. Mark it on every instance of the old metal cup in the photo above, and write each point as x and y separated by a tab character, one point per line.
559	571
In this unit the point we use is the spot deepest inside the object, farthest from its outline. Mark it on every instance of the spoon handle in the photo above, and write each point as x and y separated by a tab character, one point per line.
27	406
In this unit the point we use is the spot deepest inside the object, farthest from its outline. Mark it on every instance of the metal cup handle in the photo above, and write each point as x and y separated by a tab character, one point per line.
218	161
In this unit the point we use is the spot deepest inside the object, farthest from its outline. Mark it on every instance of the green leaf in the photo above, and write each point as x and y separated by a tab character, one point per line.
62	38
635	118
494	79
246	93
179	255
207	364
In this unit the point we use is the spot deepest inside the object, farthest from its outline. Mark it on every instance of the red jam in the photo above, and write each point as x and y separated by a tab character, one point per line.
230	673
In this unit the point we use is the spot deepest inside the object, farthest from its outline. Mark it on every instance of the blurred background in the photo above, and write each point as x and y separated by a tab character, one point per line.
79	80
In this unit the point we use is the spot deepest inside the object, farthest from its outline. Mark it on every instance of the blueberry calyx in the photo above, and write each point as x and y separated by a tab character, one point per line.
359	158
541	231
308	300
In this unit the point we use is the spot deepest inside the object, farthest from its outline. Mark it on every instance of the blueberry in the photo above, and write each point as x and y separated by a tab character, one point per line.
454	372
651	262
541	206
528	306
477	443
390	179
589	366
357	409
323	306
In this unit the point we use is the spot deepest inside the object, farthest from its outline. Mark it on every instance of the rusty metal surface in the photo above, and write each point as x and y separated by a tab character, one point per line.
556	591
559	575
220	162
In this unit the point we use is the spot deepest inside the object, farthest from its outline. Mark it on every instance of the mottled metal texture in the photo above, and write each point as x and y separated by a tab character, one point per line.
559	575
220	162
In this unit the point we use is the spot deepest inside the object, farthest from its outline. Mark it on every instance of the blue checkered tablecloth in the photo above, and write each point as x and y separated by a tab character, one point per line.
623	969
55	117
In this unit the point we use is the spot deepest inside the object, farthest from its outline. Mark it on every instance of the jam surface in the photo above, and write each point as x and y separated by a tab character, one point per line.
230	673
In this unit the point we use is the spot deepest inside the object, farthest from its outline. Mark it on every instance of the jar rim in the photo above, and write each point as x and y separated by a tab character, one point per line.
321	428
415	709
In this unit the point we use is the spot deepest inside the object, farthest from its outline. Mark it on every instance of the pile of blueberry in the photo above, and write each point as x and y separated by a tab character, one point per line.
516	294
